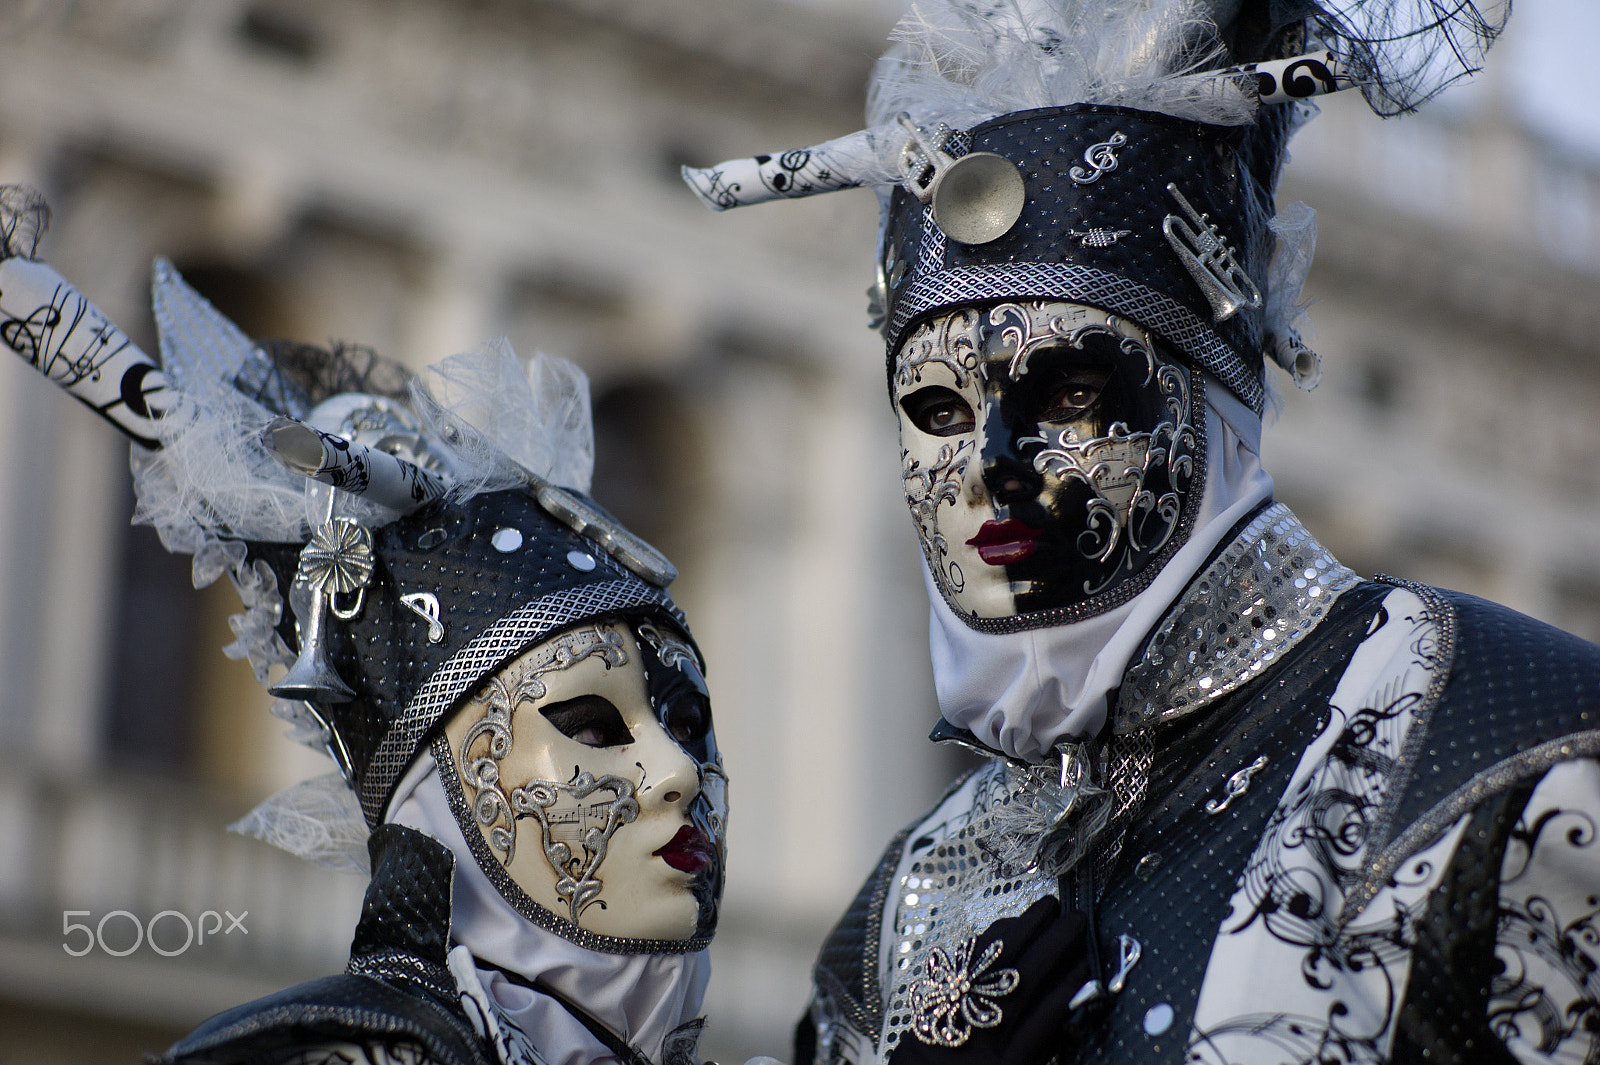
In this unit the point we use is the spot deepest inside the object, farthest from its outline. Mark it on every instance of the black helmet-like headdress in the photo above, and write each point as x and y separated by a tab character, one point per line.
1118	154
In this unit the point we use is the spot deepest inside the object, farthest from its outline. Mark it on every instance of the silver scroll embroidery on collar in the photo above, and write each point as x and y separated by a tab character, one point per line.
1260	597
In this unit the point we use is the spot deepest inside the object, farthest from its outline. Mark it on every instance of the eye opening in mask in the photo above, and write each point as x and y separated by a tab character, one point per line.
1072	393
687	718
592	720
938	411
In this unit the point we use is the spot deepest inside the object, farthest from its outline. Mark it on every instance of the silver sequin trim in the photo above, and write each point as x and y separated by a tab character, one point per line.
487	651
958	888
1260	597
1160	314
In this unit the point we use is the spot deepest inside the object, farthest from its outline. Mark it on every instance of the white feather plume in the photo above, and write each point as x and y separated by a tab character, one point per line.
961	63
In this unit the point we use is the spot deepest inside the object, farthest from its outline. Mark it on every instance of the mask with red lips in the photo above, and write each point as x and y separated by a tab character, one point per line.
1049	455
593	788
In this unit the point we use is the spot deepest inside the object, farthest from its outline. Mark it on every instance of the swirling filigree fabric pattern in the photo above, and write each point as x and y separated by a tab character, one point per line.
1545	1000
1289	980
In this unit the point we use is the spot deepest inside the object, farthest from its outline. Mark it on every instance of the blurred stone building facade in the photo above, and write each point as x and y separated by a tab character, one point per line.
421	175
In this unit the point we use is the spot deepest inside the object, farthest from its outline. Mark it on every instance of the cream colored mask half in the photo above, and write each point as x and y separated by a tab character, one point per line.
583	794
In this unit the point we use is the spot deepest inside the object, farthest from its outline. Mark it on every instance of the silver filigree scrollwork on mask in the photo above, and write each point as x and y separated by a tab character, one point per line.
503	693
1116	467
568	810
669	649
926	489
1026	327
953	343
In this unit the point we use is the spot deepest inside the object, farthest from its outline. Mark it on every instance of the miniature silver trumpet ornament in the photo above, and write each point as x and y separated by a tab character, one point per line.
976	198
337	561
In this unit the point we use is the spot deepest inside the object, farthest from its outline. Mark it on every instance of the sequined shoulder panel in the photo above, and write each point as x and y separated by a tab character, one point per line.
1259	598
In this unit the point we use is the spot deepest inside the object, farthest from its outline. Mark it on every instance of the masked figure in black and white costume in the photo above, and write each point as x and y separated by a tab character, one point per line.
517	711
1242	806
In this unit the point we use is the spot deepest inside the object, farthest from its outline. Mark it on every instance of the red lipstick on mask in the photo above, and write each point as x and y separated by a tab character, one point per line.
688	852
1001	543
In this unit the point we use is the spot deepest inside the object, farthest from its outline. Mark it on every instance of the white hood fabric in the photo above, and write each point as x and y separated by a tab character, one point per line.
1023	692
641	997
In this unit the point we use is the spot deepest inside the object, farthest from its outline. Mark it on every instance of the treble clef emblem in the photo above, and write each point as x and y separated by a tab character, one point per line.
1102	159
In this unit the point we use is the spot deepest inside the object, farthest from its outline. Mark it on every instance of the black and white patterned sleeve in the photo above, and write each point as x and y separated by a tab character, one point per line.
1545	997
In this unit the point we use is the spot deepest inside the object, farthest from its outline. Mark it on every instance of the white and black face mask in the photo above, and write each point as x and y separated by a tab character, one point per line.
591	790
1049	454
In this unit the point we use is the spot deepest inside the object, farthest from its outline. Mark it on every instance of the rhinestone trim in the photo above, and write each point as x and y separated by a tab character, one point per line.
450	777
1260	597
1160	314
398	965
484	654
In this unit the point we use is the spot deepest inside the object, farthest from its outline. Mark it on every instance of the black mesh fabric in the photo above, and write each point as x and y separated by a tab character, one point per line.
334	1009
1518	697
1174	911
1514	683
397	993
1445	1018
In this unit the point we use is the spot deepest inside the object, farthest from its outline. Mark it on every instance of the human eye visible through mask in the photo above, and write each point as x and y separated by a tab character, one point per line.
938	411
592	720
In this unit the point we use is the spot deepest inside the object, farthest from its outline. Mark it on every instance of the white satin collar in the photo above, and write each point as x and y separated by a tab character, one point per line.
641	997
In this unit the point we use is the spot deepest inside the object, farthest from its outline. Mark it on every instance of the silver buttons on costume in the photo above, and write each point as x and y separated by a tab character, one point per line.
506	539
1158	1018
1146	867
581	561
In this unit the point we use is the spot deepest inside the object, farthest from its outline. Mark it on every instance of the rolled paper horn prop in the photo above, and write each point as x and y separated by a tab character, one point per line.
1279	81
845	163
365	471
57	331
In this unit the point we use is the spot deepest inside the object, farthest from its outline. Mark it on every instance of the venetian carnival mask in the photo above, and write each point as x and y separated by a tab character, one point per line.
1048	453
591	775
